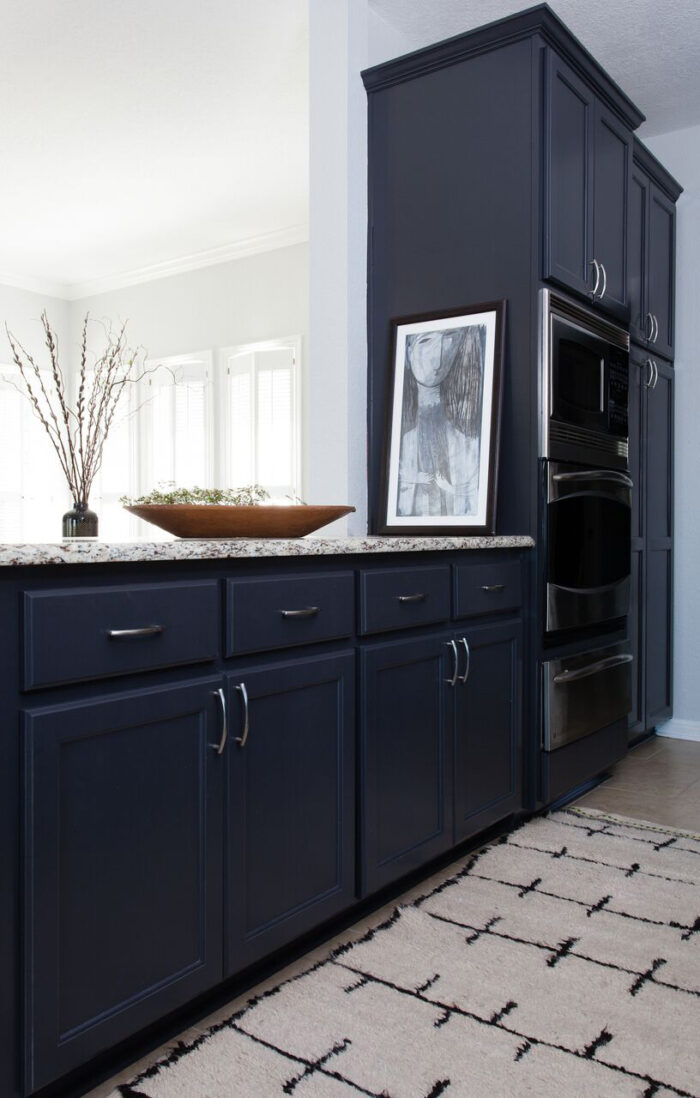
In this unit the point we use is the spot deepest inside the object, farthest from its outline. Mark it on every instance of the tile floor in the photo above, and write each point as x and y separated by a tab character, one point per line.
659	781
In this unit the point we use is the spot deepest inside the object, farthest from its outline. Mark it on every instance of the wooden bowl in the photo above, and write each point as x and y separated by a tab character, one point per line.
193	520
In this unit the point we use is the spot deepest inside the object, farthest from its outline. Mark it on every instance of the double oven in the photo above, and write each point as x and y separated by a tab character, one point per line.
586	496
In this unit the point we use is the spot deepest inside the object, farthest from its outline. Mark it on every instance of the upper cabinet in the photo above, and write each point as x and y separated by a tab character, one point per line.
588	164
652	233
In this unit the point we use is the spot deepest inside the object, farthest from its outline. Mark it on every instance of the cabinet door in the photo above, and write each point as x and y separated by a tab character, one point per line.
640	374
569	130
612	158
567	245
662	218
123	855
638	241
290	802
406	756
659	546
487	728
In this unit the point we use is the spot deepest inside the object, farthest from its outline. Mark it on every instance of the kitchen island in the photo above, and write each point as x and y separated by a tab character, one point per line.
209	749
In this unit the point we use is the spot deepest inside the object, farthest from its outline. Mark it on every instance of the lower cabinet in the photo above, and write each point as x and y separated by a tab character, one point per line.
123	854
406	760
487	729
440	744
290	820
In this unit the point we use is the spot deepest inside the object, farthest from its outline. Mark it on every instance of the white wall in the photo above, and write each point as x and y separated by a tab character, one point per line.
345	37
21	311
679	151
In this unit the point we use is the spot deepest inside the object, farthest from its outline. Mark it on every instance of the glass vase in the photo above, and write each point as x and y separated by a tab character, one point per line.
80	521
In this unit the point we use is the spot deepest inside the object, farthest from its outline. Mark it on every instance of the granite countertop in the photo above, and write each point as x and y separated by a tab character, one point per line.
85	551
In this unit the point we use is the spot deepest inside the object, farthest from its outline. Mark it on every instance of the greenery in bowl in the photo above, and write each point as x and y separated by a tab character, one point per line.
249	496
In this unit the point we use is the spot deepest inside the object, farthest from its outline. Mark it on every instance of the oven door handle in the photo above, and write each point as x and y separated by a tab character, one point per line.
593	669
595	474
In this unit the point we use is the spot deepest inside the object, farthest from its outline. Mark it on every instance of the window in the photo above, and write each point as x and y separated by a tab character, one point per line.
196	419
261	427
33	492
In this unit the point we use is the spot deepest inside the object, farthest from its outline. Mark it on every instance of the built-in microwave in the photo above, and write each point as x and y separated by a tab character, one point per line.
584	383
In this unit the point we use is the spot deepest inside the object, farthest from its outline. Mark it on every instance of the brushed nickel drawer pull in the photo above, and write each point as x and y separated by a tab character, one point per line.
493	587
419	596
144	631
221	698
306	612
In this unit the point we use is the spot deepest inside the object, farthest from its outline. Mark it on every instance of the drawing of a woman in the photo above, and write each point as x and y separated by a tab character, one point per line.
440	424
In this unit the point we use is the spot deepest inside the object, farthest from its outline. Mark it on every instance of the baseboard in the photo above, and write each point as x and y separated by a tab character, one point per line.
677	729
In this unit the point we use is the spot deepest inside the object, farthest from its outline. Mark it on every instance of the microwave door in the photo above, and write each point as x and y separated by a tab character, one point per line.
579	376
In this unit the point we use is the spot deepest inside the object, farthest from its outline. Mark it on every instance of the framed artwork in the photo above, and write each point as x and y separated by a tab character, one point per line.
443	424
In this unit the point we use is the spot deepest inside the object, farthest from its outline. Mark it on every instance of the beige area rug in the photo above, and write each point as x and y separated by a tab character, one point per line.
562	961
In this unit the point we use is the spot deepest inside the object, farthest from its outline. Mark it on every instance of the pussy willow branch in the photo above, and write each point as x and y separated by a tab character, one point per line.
78	435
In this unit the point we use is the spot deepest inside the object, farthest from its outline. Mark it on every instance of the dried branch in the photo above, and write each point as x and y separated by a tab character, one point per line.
78	434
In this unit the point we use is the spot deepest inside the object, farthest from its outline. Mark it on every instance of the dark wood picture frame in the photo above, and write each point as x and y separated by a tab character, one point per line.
461	524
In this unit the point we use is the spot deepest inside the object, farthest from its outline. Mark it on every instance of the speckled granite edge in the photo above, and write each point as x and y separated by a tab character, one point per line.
101	552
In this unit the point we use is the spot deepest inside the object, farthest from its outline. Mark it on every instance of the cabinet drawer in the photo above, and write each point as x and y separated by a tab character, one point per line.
399	598
279	613
93	632
487	588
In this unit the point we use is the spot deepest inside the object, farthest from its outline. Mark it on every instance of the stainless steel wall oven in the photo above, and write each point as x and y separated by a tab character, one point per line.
588	546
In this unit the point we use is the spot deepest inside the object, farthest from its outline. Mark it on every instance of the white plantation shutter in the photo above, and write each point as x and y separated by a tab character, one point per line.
33	491
263	399
175	423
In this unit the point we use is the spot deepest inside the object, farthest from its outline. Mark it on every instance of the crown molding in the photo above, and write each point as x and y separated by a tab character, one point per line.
237	249
43	286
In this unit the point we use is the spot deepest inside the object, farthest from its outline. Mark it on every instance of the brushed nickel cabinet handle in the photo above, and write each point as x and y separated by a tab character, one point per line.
463	678
242	740
592	669
649	328
419	596
605	282
305	612
594	263
650	378
142	631
656	373
493	587
221	698
656	328
453	645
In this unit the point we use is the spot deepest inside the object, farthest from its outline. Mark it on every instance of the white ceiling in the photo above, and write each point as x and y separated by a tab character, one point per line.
136	132
650	47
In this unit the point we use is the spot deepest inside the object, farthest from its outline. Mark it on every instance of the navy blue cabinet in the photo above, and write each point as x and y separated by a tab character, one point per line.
650	623
652	237
122	854
406	760
487	728
589	156
441	735
290	818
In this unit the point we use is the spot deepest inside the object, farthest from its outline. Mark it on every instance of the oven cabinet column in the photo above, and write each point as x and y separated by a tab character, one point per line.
488	717
407	708
123	798
290	815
